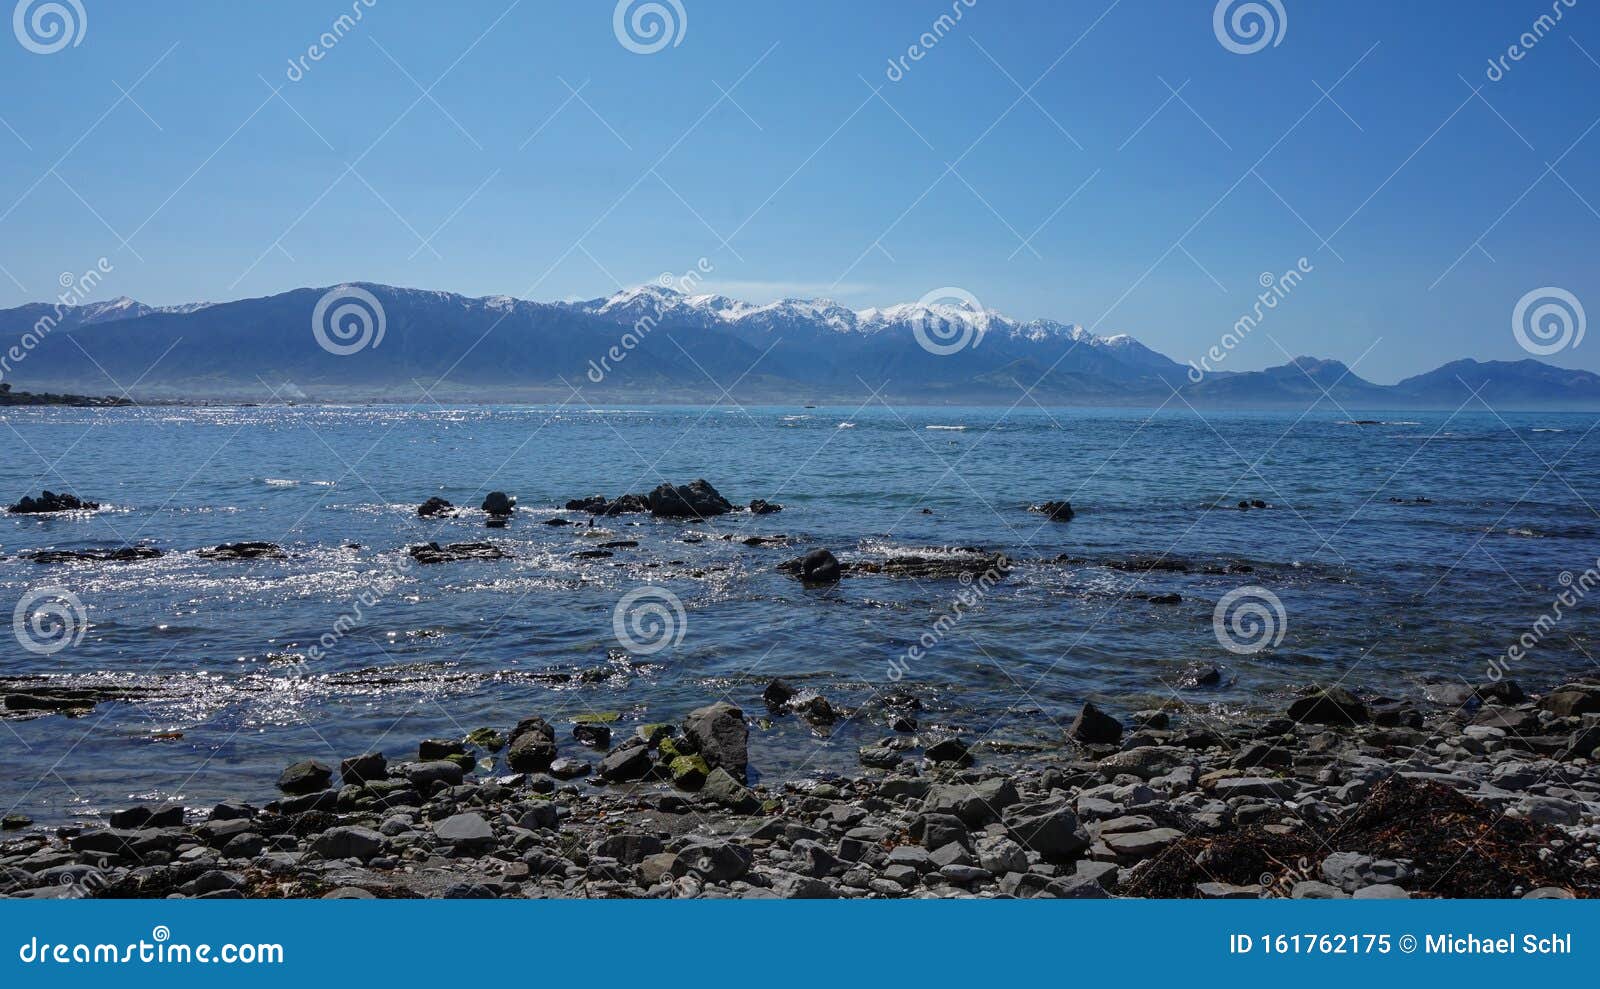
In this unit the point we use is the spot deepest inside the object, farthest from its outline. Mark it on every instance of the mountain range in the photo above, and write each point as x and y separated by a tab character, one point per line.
654	344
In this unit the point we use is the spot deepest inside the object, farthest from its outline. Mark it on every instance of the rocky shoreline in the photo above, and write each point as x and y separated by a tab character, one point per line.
1484	793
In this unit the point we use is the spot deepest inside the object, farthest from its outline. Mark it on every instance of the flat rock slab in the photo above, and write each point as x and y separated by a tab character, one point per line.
1141	844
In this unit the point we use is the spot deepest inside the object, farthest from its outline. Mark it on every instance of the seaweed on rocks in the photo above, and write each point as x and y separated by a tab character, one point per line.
1459	848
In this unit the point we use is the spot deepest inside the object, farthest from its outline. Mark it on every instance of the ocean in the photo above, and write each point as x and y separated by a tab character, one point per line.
1402	557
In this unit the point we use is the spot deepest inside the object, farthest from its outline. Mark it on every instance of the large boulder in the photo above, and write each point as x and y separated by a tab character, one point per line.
367	768
499	503
308	776
628	761
719	734
1055	834
1330	706
817	567
349	843
697	499
533	746
1093	726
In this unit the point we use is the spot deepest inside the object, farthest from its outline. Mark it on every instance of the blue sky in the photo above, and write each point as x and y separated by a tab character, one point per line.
1035	156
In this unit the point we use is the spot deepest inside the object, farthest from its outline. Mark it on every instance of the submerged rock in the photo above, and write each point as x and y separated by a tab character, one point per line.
1055	511
242	551
49	502
761	506
434	553
125	554
436	508
817	567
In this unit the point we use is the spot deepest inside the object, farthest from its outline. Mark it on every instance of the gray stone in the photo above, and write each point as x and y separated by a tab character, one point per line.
719	734
465	832
348	843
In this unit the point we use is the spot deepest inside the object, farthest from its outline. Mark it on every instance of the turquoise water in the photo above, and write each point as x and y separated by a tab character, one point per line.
346	646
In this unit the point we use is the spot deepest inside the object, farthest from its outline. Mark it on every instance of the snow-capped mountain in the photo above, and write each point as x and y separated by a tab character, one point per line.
652	343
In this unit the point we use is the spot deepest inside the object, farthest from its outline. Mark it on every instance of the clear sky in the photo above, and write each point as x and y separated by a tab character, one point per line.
1035	156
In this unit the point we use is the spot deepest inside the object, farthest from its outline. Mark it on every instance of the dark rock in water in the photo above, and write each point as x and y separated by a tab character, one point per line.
495	522
368	768
15	822
817	567
436	508
242	551
434	553
592	554
778	694
592	734
1164	598
557	521
1330	706
1200	676
620	544
965	564
1395	714
1503	691
134	818
628	761
761	506
816	709
719	734
498	503
430	749
52	502
533	746
1095	727
953	750
126	554
1056	511
697	499
308	776
628	504
594	504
